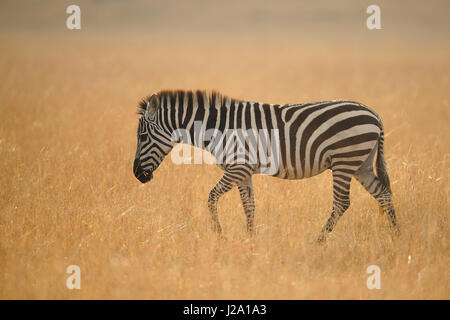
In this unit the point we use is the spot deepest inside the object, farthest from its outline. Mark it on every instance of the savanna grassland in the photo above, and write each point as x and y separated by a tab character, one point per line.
68	194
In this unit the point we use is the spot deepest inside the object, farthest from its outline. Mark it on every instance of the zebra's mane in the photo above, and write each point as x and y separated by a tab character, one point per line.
142	106
212	96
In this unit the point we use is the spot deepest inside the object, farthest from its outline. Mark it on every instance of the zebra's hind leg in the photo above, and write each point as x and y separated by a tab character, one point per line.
380	192
341	200
248	202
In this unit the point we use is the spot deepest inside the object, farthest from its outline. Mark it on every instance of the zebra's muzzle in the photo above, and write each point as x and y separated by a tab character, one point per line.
142	175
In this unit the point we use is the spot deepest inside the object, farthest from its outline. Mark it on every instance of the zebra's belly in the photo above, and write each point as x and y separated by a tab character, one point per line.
292	173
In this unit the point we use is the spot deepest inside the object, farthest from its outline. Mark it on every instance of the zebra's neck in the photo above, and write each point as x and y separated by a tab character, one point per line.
181	109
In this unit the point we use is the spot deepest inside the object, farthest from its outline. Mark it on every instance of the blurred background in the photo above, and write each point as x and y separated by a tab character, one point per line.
408	21
68	136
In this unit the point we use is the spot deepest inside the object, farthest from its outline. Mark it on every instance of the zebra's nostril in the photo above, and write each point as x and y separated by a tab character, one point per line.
142	175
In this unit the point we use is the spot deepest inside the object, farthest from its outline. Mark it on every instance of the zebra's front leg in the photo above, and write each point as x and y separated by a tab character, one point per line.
234	175
341	201
223	186
248	202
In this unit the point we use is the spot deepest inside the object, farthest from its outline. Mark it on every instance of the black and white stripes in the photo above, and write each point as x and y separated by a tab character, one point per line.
299	141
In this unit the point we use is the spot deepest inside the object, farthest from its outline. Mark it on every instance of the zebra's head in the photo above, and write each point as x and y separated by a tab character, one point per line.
153	142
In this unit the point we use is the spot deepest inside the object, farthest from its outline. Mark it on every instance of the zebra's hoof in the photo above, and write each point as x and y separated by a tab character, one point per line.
397	232
322	239
222	237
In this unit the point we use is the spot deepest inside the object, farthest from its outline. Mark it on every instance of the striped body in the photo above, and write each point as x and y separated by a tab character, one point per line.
339	135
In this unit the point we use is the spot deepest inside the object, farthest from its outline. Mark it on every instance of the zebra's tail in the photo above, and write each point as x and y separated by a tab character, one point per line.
381	164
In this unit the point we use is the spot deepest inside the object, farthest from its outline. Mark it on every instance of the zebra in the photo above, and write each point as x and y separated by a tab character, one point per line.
338	135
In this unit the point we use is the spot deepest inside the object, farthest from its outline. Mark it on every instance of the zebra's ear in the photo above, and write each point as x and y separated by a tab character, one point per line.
152	106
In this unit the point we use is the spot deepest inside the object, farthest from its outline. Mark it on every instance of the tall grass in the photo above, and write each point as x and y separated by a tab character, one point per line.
68	194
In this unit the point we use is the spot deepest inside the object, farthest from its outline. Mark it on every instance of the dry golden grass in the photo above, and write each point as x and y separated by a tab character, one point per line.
68	194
